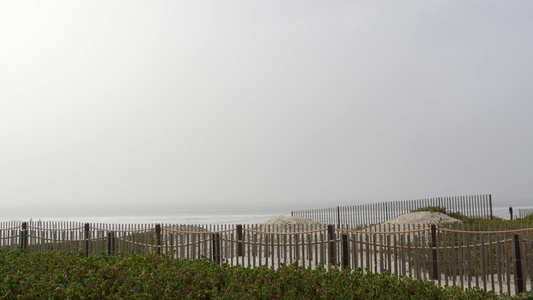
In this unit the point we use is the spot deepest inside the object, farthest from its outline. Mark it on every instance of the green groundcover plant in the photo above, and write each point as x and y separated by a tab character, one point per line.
149	276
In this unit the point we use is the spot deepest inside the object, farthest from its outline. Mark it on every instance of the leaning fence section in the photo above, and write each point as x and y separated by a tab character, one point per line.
524	212
365	214
489	256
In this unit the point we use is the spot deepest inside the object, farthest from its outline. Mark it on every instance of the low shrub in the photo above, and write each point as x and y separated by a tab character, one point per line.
148	276
430	209
475	220
528	218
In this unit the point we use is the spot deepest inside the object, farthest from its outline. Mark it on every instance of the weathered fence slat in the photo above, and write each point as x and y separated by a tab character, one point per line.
508	264
524	212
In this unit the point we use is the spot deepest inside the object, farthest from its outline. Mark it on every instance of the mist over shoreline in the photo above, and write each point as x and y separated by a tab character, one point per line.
146	108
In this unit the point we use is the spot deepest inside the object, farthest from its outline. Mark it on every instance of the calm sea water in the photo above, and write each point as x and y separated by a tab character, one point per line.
163	215
144	215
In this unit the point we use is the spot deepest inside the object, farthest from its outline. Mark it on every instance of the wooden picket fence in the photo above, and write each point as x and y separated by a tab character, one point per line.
491	257
365	214
524	212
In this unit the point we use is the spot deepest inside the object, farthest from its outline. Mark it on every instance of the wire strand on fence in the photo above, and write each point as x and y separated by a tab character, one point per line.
137	243
9	237
284	233
55	229
115	230
280	245
486	232
61	240
196	232
382	232
4	229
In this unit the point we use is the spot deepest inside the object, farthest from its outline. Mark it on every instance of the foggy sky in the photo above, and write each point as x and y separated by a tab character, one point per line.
298	104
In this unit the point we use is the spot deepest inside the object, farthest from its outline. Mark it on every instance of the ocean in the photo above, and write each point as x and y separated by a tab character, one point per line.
162	215
143	215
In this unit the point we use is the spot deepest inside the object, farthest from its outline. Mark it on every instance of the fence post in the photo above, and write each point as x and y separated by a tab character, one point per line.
345	253
519	279
215	240
434	268
24	237
386	211
87	239
239	241
490	204
158	238
331	248
110	243
338	217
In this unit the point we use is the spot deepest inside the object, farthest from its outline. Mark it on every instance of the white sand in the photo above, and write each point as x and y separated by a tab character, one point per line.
284	220
423	217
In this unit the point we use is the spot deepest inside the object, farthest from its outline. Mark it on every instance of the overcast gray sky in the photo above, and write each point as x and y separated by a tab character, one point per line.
285	103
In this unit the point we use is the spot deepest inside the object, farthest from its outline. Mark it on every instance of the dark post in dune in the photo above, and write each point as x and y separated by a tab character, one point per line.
86	239
24	237
518	264
158	238
331	238
110	243
434	267
338	217
490	205
239	240
345	253
215	238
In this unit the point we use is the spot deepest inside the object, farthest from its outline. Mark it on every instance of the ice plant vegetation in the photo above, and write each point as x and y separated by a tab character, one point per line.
148	276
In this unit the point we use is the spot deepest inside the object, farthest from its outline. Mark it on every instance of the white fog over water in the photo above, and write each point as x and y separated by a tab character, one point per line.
165	216
144	215
201	110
